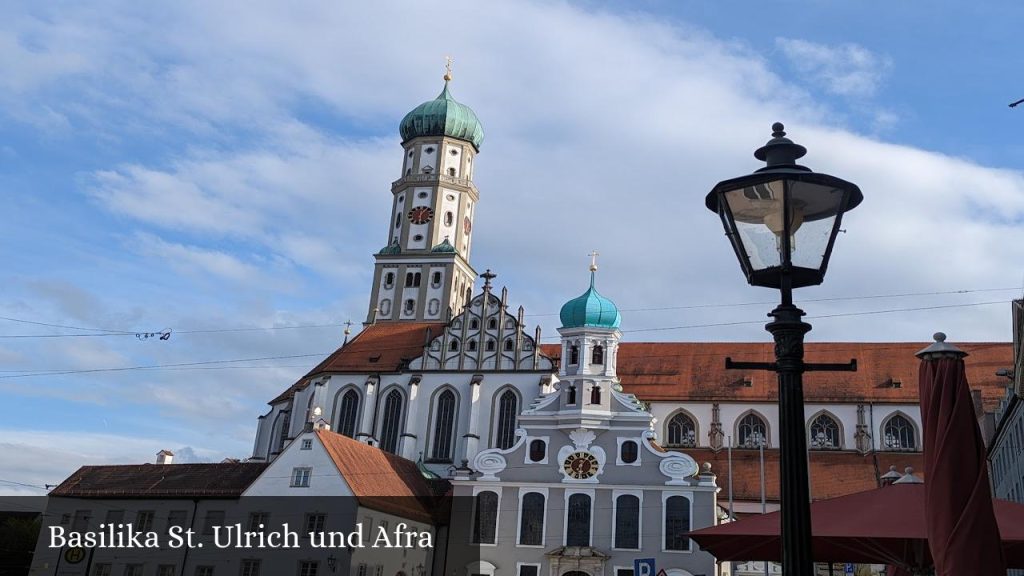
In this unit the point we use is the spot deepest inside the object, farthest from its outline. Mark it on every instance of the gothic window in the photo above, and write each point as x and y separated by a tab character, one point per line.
389	279
628	451
471	346
682	431
284	430
390	426
677	523
538	449
485	518
574	354
492	324
752	432
508	410
491	345
474	324
454	346
444	427
531	523
578	521
824	433
510	345
571	395
898	434
348	411
528	346
597	356
627	522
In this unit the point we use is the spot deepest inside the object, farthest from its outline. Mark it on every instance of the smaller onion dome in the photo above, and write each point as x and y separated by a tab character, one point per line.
391	249
442	116
590	309
444	247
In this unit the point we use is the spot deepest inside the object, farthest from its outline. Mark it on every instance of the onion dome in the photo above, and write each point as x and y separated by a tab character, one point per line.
391	249
444	247
590	309
442	116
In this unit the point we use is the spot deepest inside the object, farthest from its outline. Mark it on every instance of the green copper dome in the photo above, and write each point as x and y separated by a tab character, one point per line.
444	247
442	116
390	249
590	309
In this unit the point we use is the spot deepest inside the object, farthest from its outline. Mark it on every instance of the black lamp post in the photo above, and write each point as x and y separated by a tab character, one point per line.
782	221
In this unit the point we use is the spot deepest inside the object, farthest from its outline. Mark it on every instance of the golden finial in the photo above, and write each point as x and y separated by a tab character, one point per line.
448	68
593	260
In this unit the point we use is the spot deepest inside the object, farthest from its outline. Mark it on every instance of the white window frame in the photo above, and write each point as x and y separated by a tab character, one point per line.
565	517
544	519
296	480
519	565
547	449
665	495
640	521
618	451
307	444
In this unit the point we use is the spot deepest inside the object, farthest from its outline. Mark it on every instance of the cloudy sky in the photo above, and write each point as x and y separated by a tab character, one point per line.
222	170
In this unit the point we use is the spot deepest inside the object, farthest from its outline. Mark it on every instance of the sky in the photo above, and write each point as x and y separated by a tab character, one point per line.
221	170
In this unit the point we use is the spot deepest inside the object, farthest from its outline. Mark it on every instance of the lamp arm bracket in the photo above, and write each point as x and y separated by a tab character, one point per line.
850	367
730	365
773	367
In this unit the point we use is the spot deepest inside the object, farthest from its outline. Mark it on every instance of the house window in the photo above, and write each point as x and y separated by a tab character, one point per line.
348	411
824	433
166	570
300	477
215	518
628	451
752	432
578	521
133	570
538	449
485	518
682	431
258	521
200	571
898	434
307	444
529	570
315	522
389	428
508	410
444	426
307	568
677	523
627	522
250	568
143	521
597	356
531	523
101	569
574	354
115	517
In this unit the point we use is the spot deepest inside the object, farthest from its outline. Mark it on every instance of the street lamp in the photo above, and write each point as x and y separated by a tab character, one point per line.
782	221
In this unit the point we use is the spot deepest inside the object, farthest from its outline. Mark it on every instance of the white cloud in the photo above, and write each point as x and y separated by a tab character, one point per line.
192	259
846	69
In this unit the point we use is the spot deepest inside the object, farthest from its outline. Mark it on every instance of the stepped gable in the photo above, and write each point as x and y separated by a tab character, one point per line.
886	371
224	480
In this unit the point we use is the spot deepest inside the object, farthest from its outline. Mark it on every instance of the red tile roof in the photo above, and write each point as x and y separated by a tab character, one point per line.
384	347
383	481
224	480
833	473
696	371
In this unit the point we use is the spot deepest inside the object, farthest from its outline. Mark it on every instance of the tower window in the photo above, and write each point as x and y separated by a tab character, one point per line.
408	171
421	195
451	172
417	238
571	400
389	279
429	150
410	306
628	451
595	394
435	280
538	450
453	152
398	221
574	354
597	356
448	218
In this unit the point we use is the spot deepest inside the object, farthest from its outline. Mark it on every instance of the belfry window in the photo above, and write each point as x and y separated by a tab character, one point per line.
597	356
571	395
595	394
389	279
435	279
574	354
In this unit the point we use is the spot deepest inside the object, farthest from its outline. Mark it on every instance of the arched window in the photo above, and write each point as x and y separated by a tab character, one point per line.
538	449
682	431
347	413
627	522
454	346
474	324
595	394
677	523
492	324
444	427
752	432
597	356
577	531
435	279
390	427
824	433
574	354
491	345
448	218
508	410
485	518
571	395
389	279
471	346
451	172
410	306
898	433
531	522
510	345
629	451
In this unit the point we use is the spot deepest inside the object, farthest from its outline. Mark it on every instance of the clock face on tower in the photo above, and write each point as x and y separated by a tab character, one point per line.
421	215
467	226
580	465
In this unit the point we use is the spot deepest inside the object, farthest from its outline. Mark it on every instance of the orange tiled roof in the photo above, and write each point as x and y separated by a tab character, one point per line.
384	347
224	480
383	481
696	370
833	473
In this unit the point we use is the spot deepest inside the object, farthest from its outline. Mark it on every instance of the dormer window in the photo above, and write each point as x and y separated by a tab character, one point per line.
597	356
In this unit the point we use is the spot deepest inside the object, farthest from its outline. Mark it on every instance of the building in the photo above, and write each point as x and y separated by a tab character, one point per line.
1006	450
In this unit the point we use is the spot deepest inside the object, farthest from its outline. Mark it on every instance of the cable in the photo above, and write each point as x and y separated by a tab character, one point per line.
157	366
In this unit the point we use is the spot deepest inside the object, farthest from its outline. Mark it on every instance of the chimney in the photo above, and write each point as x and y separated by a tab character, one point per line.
164	457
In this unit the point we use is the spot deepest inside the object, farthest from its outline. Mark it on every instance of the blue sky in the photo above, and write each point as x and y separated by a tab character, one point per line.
219	166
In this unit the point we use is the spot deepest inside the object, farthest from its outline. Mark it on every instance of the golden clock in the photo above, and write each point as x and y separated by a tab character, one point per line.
580	465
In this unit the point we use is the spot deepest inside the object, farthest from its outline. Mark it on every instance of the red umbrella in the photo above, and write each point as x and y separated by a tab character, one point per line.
882	526
962	532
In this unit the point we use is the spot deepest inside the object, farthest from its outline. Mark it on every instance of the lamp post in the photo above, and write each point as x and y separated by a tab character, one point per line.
782	221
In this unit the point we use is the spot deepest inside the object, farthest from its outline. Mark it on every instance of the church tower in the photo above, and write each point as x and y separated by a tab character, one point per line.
423	273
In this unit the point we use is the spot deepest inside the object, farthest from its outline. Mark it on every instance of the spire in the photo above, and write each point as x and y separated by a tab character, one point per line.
488	276
348	330
448	69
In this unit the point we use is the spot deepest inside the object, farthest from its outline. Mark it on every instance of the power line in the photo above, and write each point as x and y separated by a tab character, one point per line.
157	366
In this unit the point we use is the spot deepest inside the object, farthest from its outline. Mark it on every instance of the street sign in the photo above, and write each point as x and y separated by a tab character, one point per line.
848	568
74	555
643	567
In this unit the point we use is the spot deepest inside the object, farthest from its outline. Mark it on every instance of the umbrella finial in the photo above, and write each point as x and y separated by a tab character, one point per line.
909	477
940	349
891	476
